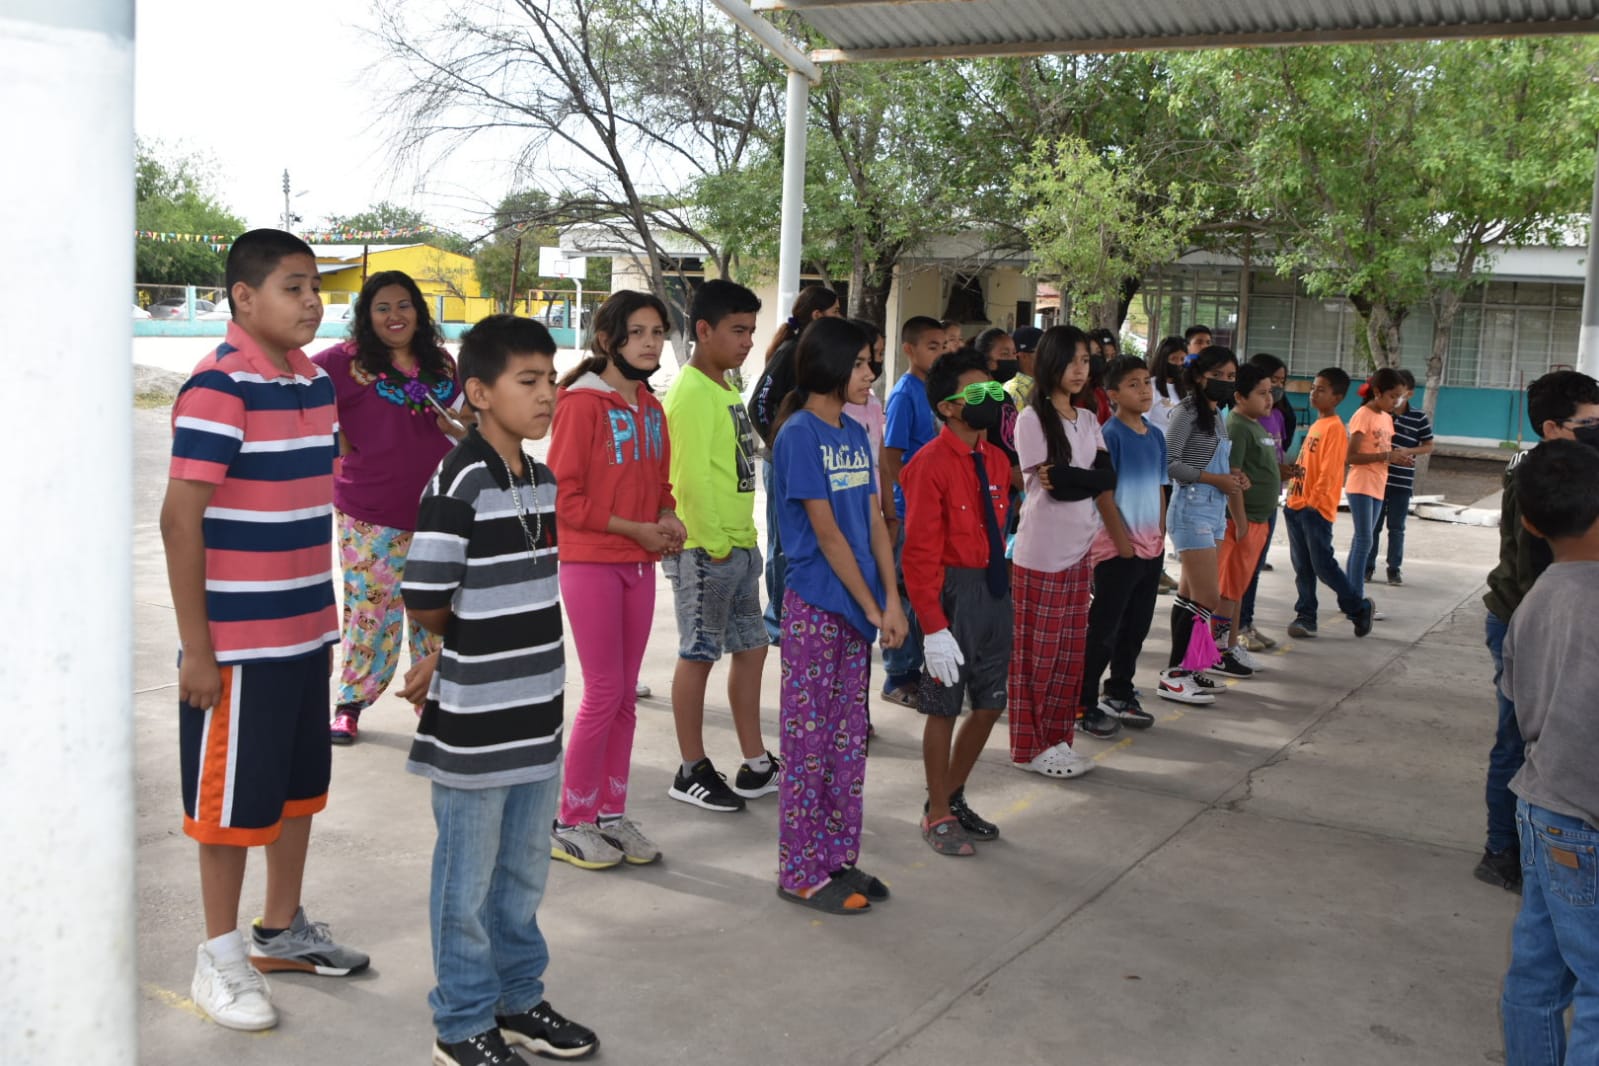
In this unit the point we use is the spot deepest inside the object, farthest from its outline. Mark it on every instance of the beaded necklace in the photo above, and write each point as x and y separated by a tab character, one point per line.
532	535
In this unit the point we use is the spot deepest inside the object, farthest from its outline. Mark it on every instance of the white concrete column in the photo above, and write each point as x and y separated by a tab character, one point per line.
68	989
1588	343
791	236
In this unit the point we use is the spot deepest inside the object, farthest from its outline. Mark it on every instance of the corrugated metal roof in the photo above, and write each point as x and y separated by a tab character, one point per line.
919	29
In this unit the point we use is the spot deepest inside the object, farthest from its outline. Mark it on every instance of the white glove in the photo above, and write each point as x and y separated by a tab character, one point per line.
943	657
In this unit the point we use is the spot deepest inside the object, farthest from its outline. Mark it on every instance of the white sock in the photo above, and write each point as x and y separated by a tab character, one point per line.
229	947
761	764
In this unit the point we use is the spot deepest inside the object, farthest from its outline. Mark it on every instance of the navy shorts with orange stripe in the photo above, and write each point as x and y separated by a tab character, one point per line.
260	755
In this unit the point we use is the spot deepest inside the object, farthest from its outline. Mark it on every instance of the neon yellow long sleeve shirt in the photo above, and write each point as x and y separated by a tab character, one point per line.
713	462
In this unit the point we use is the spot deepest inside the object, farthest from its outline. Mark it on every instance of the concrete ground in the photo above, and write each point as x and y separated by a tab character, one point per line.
1283	877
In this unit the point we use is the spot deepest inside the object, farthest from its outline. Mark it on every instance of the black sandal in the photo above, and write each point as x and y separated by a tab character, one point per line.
858	879
829	899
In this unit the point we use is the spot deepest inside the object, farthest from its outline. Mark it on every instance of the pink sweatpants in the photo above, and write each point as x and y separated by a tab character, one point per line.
611	608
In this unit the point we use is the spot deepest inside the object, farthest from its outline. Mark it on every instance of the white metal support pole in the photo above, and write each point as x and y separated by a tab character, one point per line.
1588	342
66	767
791	235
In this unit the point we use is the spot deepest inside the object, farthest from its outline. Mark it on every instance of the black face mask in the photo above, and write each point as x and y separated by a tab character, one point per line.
1219	392
877	370
1096	366
983	415
629	371
1005	369
1588	435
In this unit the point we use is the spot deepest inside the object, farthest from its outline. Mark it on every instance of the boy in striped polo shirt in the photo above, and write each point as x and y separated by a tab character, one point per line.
482	573
248	529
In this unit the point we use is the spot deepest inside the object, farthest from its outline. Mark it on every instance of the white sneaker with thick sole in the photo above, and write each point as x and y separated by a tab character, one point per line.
233	995
1180	687
1059	761
1246	657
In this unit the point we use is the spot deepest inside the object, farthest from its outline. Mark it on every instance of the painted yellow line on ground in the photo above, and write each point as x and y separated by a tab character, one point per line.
179	1001
1120	744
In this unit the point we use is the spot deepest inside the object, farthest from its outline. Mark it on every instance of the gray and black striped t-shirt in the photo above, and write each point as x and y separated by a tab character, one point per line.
1189	449
494	710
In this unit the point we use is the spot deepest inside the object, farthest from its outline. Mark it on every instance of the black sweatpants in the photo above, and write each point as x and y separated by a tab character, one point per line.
1118	621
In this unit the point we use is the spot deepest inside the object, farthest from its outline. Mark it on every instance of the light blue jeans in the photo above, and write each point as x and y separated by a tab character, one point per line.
489	866
1367	512
1554	948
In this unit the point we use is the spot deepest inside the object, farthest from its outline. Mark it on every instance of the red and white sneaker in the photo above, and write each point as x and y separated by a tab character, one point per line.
1179	686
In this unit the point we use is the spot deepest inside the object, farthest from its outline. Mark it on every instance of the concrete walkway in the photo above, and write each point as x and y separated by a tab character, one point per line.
1283	877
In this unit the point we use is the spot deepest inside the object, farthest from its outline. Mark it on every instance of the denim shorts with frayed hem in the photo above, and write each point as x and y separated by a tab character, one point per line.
718	603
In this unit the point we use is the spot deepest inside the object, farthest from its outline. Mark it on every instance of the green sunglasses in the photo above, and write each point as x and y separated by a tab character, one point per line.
975	392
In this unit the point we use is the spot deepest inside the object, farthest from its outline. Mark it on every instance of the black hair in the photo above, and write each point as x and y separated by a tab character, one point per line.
824	361
1407	378
1161	368
256	254
489	345
372	354
1105	336
1555	397
916	327
949	323
984	342
1119	367
1336	380
1267	362
1556	488
811	299
1056	350
717	298
609	330
1383	379
1193	331
1213	358
1249	377
945	375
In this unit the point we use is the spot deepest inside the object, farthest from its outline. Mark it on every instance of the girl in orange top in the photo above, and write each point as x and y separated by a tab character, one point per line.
1371	437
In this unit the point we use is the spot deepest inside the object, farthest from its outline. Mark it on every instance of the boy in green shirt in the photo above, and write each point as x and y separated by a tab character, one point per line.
716	579
1254	454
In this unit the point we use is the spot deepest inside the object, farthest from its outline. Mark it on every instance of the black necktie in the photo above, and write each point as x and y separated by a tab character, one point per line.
998	572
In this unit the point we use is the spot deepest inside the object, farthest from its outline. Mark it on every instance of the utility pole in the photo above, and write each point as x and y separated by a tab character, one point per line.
288	215
516	269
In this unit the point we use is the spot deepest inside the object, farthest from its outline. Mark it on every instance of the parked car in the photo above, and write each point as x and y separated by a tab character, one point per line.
139	312
177	307
220	310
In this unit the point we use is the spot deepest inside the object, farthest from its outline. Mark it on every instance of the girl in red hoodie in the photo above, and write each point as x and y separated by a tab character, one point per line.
614	516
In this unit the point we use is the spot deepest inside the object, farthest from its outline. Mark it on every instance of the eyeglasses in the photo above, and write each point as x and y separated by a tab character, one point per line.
975	392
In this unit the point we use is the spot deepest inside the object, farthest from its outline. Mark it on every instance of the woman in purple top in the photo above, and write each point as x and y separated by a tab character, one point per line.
386	378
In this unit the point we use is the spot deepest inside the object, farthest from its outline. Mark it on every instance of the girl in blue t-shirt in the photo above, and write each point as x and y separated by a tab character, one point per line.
840	592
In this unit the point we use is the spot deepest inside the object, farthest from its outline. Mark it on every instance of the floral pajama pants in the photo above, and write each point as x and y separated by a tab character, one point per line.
373	558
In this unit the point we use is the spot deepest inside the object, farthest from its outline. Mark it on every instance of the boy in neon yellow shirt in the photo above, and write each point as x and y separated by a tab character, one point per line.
716	580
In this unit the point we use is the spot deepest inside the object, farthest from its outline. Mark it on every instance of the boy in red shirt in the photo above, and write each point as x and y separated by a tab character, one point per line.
957	489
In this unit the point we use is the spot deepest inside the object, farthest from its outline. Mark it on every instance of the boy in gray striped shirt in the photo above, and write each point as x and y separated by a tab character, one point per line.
482	572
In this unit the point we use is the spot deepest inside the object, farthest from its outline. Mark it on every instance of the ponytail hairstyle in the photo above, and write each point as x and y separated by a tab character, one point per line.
1209	359
873	335
1056	350
610	330
824	361
1385	379
811	299
372	355
1160	365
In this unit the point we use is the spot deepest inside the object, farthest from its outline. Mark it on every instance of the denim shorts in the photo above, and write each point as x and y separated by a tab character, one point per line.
1196	518
718	604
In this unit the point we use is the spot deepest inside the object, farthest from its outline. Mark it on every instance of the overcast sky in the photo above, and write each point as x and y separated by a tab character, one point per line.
264	87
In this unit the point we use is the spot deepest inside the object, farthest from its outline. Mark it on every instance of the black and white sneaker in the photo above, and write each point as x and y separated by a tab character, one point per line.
1130	712
1206	683
1096	723
703	787
487	1048
1233	666
752	784
544	1031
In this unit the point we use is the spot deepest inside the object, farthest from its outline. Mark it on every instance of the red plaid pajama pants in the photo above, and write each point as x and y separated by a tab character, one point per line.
1046	666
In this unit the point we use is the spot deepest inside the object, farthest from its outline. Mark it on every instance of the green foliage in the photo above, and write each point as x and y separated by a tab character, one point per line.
174	193
385	215
529	215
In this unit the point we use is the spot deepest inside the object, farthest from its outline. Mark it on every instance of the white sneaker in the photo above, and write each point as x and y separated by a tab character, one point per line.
1242	655
642	691
1180	687
1059	761
234	994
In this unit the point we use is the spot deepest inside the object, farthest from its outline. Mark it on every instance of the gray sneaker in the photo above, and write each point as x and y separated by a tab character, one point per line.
304	947
583	846
625	836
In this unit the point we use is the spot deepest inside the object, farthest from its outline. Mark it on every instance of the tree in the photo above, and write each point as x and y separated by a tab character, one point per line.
174	193
384	215
517	219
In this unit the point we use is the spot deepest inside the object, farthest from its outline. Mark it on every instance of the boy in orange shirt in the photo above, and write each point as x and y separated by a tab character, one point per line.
1312	508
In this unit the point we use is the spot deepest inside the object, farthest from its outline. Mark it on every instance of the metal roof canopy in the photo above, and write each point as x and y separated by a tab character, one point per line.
875	30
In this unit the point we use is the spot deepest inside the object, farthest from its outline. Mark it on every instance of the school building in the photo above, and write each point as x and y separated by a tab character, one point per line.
447	279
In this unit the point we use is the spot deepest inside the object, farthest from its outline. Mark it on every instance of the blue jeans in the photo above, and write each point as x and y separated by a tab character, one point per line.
1246	606
903	665
1367	512
1395	509
776	562
1554	948
489	866
1509	750
1310	548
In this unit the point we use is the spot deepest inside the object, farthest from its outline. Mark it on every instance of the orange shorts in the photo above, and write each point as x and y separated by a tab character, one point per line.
1237	557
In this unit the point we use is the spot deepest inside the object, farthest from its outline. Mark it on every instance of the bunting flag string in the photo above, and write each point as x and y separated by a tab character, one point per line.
222	241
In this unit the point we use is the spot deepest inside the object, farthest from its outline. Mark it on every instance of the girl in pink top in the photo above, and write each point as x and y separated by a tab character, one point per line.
1371	439
386	378
870	414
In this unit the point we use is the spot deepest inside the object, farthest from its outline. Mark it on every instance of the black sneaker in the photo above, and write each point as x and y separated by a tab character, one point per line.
752	784
1207	683
1230	666
1096	723
703	787
543	1031
1364	617
1502	869
1395	578
1129	712
977	827
485	1049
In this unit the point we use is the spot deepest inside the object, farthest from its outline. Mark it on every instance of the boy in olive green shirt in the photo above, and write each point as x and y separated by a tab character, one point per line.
716	579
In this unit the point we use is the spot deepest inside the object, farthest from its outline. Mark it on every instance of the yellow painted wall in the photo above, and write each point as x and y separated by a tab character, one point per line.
437	273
